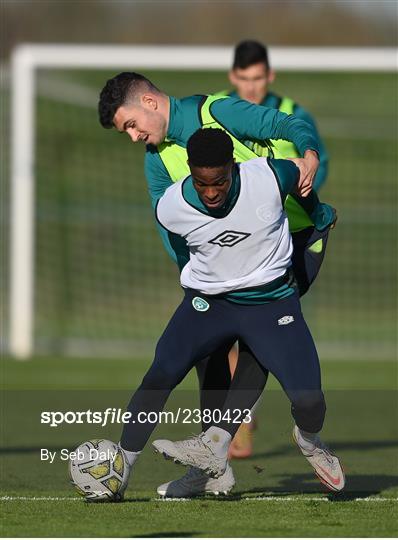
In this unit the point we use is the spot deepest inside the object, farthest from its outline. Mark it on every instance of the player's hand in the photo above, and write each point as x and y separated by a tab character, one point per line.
308	165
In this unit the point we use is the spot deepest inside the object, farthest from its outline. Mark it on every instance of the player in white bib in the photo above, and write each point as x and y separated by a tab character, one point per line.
262	226
238	285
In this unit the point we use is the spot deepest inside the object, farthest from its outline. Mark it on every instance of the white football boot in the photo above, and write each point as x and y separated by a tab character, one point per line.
194	452
195	482
327	466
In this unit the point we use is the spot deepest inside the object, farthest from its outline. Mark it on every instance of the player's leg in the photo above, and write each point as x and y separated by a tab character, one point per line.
309	248
189	336
279	337
215	373
246	388
214	380
245	391
283	343
248	378
241	446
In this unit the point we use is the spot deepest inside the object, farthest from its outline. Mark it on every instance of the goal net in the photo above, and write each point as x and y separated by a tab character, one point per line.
90	276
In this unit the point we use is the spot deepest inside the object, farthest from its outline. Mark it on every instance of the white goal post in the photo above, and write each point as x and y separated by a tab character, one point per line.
26	59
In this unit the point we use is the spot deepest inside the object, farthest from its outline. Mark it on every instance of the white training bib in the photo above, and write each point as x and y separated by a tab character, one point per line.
249	247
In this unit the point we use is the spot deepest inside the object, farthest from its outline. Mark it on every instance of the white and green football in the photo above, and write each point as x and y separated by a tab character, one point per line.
99	471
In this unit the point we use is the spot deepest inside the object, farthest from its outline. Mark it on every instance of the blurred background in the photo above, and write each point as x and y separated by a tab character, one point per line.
104	288
103	285
311	22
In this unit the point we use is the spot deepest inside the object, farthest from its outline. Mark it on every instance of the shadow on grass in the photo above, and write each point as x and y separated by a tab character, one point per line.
334	446
358	486
170	534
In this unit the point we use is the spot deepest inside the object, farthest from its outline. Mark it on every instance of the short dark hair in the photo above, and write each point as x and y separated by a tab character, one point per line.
118	91
248	53
210	147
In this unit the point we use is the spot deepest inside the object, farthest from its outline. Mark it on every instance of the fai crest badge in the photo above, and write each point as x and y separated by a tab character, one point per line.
287	319
199	304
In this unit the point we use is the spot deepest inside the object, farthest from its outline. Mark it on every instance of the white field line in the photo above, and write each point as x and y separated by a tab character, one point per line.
290	499
270	498
7	498
320	499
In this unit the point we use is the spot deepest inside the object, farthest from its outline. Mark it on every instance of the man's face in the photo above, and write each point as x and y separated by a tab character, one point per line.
141	120
252	82
212	183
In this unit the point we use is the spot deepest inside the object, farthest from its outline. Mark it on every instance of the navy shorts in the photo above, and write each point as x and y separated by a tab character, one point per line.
276	334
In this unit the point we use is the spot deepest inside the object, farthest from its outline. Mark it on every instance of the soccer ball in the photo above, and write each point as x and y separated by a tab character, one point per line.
99	471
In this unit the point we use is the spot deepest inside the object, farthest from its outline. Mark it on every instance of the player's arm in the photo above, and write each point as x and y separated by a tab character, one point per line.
157	177
322	171
158	181
255	122
175	245
287	176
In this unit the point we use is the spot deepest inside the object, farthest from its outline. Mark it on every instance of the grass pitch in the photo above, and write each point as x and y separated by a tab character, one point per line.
103	280
276	493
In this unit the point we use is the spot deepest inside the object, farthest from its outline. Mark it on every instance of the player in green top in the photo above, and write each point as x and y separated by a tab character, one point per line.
251	76
132	104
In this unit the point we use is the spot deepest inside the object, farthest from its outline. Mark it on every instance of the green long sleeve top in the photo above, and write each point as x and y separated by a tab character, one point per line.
273	101
242	119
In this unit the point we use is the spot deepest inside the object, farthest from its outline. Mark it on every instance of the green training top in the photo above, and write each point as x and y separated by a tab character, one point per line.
244	120
273	101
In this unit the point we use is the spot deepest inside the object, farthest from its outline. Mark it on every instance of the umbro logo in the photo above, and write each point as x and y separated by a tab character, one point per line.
287	319
229	238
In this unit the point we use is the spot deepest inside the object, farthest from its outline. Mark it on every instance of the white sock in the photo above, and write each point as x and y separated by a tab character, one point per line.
219	440
131	457
306	439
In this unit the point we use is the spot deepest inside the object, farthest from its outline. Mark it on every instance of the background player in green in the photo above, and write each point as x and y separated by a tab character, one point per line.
251	76
134	105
